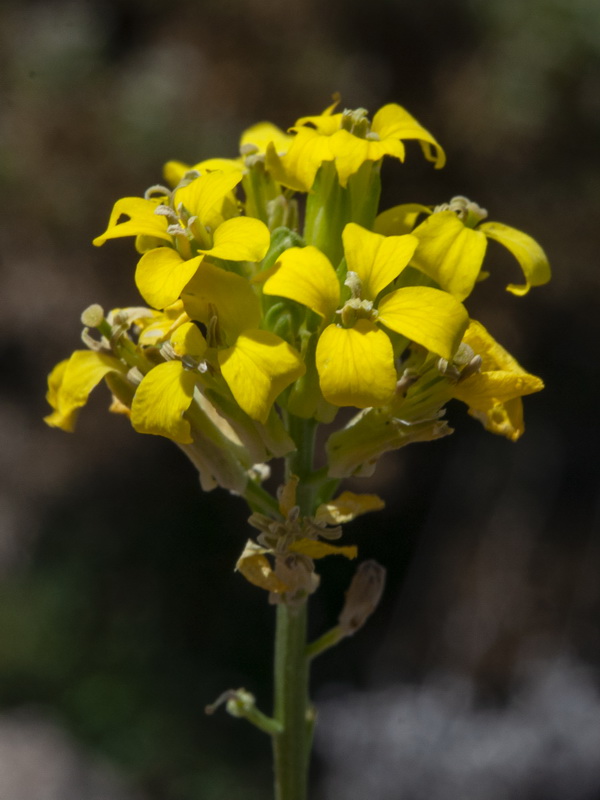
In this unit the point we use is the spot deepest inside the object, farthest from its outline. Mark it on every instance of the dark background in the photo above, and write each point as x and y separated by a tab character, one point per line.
120	614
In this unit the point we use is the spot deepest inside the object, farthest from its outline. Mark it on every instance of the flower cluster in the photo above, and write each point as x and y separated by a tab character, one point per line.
275	290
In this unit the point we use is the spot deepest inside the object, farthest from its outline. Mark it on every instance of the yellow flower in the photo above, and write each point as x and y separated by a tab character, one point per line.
355	360
192	221
453	243
349	140
72	380
494	393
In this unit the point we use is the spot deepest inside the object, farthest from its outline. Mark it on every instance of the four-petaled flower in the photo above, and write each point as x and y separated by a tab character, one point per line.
347	139
355	357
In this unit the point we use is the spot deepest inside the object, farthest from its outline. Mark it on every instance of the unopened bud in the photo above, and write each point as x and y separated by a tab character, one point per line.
92	316
363	596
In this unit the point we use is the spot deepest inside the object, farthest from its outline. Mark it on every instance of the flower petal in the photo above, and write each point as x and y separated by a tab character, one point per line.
356	365
428	316
143	221
298	167
257	369
347	506
529	254
255	567
393	121
231	296
449	252
160	401
240	239
204	196
305	275
161	275
377	260
351	152
72	380
263	133
399	219
315	549
187	340
501	377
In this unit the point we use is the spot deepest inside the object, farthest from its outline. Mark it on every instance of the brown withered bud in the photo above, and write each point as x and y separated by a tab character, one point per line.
362	597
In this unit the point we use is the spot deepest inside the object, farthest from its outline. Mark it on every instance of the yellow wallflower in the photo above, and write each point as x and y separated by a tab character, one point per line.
453	243
192	224
348	140
355	359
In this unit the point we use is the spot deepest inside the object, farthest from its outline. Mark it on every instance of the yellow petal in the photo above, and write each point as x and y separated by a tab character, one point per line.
257	369
356	365
161	275
306	276
255	567
449	252
160	401
204	196
240	239
298	168
326	123
529	254
72	380
174	171
142	220
377	260
231	296
399	219
263	133
503	419
315	549
393	121
351	152
189	341
347	507
161	324
501	378
427	316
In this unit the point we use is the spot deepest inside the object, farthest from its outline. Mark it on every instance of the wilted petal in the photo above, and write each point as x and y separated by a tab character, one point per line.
529	254
160	401
315	549
427	316
347	507
257	369
161	275
356	365
305	275
255	567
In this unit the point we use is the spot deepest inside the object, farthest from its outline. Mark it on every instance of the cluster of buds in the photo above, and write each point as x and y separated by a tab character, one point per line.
275	289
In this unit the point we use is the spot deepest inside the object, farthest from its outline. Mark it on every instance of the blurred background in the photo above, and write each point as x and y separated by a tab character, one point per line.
120	614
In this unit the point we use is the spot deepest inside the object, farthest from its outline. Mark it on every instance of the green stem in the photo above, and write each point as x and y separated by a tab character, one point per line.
292	709
300	462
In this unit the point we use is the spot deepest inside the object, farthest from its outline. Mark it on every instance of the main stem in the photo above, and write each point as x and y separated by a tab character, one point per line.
291	747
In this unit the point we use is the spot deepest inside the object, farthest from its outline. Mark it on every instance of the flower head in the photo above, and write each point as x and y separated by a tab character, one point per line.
348	139
355	355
